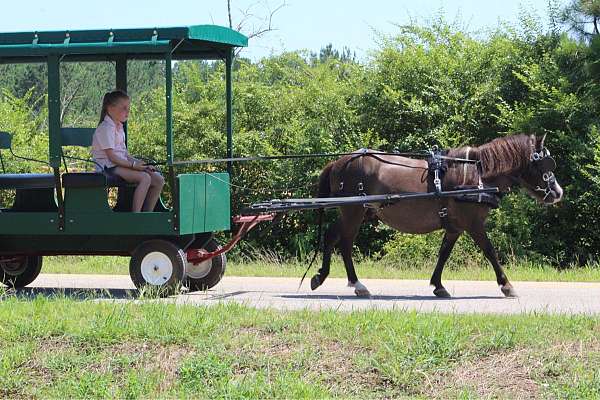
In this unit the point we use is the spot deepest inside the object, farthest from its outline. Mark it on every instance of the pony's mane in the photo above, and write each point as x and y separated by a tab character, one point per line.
501	156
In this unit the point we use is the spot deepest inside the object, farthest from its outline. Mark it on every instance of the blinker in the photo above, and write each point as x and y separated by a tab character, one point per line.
547	164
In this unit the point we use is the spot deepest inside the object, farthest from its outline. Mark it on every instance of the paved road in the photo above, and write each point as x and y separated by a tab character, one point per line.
282	293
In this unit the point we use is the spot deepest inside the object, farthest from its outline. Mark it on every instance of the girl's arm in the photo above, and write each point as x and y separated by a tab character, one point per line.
128	162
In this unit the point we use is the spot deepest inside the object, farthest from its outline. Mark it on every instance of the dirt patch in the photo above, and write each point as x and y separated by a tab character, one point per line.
144	356
516	373
321	359
167	360
502	375
343	376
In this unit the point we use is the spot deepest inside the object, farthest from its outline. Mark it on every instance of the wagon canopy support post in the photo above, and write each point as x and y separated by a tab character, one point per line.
169	107
169	132
54	141
229	101
121	81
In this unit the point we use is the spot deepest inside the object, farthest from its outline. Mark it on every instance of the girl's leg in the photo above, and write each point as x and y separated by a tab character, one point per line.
142	181
156	184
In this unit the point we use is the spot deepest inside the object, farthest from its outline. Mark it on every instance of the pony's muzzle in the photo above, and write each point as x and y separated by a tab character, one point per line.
555	193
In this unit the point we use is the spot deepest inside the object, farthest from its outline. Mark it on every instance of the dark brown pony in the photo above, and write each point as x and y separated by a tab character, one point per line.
506	162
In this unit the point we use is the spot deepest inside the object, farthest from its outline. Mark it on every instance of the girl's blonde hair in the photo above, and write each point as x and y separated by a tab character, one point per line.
110	99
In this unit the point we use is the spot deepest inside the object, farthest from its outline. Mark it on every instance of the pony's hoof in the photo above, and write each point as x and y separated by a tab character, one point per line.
508	291
362	293
442	293
315	282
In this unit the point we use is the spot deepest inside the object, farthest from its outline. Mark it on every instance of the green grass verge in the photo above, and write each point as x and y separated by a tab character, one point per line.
61	347
516	271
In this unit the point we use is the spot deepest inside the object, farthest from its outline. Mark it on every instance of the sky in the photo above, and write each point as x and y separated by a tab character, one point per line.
300	24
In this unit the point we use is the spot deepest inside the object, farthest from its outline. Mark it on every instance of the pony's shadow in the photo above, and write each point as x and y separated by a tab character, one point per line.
76	293
384	297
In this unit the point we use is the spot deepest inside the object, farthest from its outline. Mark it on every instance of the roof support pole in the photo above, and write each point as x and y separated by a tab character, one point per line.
121	80
169	129
169	110
229	102
54	110
55	140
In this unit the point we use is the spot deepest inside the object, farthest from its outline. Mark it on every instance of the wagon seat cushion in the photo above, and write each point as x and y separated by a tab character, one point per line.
91	179
27	181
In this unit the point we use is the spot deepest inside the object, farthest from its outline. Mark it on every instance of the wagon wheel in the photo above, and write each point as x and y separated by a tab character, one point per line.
206	274
157	264
20	271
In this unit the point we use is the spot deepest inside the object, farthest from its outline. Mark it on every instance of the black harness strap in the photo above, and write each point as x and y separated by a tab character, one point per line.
437	168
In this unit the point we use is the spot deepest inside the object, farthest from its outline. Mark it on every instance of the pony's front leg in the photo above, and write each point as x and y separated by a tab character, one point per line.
445	249
480	237
351	219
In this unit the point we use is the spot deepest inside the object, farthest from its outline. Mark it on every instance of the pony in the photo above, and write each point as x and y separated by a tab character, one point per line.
506	163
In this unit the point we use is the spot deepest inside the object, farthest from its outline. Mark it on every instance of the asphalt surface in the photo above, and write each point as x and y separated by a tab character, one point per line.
283	293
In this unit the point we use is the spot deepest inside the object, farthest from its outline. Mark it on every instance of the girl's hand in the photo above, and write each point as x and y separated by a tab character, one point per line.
138	166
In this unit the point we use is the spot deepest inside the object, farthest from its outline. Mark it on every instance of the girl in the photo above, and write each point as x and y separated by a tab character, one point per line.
111	155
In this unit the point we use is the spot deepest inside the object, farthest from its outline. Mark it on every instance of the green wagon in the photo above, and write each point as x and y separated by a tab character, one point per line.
67	213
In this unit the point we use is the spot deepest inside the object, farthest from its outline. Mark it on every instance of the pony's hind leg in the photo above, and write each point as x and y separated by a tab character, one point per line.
445	249
483	242
331	238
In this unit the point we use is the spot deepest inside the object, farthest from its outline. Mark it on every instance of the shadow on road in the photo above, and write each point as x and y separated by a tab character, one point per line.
75	293
383	297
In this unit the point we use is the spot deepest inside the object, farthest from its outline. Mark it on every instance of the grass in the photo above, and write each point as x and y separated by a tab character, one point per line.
59	347
516	271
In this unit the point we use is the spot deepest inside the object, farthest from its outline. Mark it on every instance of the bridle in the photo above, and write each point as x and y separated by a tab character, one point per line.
545	164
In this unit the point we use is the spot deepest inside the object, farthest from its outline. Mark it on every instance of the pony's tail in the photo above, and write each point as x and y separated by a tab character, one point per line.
324	181
324	191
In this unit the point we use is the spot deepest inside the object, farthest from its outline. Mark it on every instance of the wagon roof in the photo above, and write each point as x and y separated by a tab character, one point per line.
197	41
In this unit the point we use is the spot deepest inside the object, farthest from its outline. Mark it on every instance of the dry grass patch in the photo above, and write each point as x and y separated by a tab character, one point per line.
331	363
523	373
53	356
501	375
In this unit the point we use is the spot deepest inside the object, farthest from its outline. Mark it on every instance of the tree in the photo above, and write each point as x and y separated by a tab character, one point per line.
251	24
583	17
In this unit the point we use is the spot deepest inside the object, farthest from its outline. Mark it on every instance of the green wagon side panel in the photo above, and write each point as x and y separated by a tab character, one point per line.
204	203
119	223
192	202
28	223
218	213
87	212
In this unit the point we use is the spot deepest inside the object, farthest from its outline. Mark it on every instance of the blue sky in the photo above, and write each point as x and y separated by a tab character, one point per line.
301	24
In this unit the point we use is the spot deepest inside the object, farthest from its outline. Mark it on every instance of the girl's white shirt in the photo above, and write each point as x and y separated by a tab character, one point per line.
108	136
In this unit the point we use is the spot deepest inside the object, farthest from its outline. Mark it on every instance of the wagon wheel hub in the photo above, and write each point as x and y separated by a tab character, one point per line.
156	268
198	270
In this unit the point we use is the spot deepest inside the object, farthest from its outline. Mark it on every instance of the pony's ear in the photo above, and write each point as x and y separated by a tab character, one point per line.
540	142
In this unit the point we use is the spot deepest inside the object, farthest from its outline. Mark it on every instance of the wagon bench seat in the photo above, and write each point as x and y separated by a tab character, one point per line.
91	179
27	181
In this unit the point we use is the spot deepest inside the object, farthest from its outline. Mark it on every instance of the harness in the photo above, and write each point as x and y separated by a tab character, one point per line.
437	166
